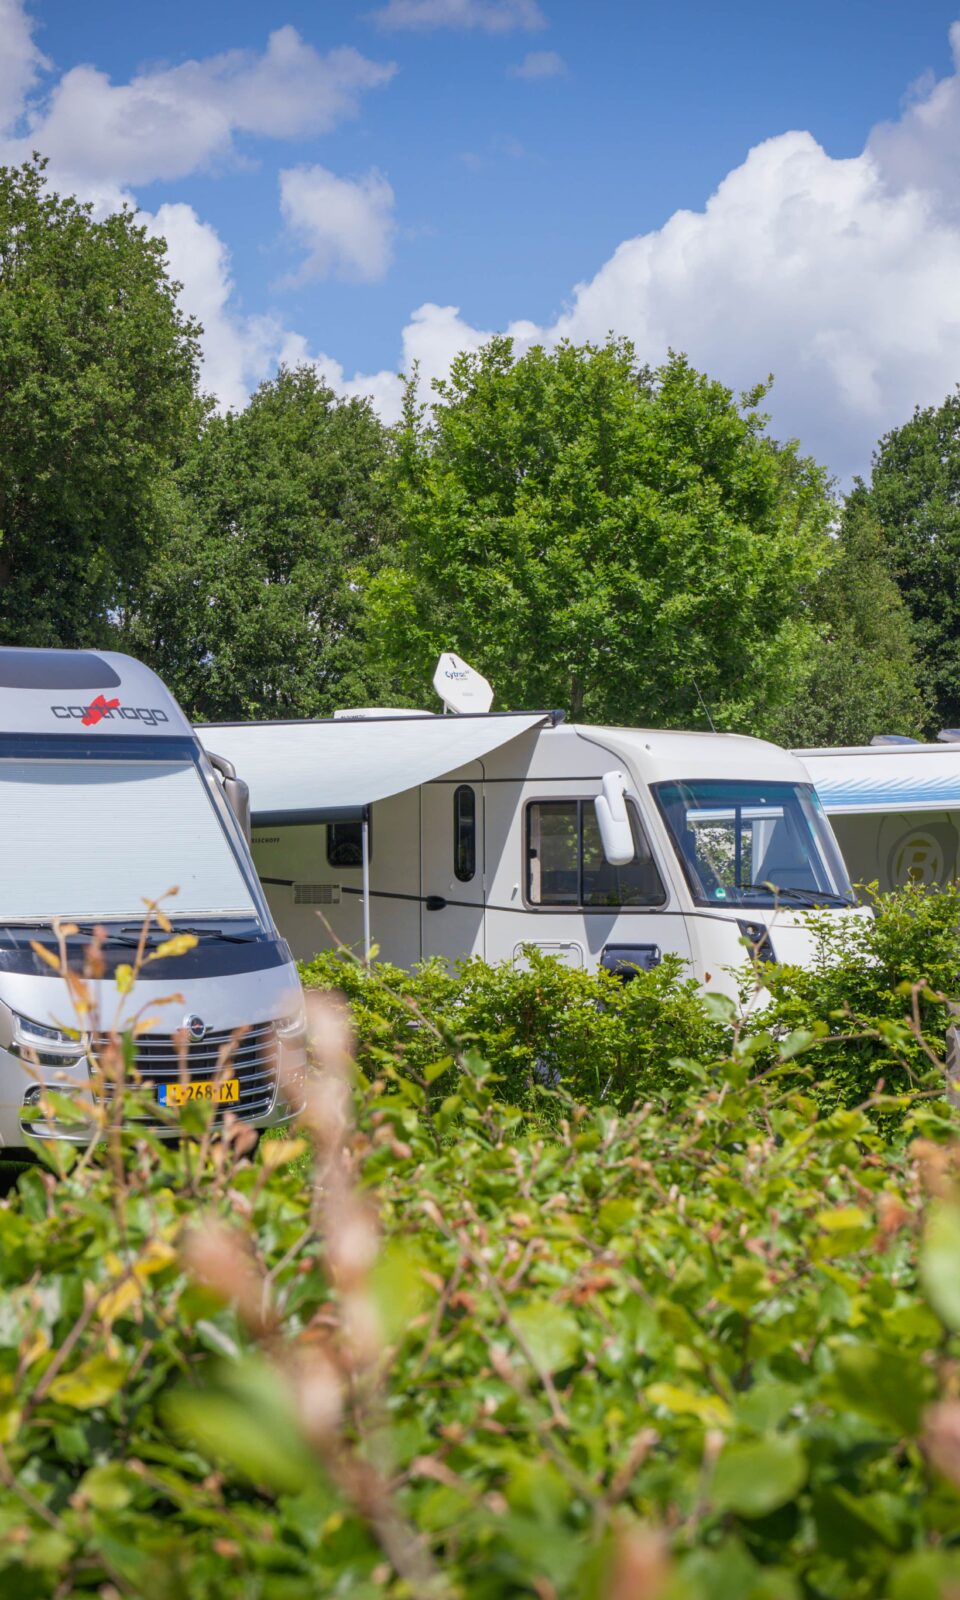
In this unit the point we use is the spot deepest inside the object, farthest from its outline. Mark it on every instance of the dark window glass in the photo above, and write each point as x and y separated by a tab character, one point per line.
345	844
55	669
566	865
464	832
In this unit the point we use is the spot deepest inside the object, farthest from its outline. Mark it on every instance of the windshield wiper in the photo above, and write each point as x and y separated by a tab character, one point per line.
807	897
157	935
130	934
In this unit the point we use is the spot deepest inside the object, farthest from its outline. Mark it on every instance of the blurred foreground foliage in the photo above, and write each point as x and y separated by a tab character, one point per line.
704	1347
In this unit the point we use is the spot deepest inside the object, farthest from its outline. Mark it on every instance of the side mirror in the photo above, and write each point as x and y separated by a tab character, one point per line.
613	820
237	795
235	792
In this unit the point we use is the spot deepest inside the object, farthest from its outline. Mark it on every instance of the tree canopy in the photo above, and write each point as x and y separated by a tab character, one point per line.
863	674
622	543
629	545
98	395
251	606
913	497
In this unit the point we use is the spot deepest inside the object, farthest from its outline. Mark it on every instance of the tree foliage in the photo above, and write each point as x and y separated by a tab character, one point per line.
913	498
251	606
601	538
863	674
97	396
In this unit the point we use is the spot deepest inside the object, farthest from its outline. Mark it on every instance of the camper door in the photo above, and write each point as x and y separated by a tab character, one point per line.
452	868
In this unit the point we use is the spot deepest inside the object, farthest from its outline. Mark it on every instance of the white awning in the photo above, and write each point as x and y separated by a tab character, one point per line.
880	779
324	771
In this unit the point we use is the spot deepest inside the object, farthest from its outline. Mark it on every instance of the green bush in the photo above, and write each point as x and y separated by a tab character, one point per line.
876	994
541	1026
680	1354
873	999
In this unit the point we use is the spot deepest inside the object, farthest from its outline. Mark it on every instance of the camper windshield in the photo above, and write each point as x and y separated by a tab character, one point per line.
88	839
754	843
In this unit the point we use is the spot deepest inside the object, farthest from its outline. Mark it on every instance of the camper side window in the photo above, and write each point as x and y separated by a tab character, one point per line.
566	865
464	832
345	844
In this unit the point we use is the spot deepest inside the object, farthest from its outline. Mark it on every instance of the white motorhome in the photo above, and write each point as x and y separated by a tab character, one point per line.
894	806
106	796
482	833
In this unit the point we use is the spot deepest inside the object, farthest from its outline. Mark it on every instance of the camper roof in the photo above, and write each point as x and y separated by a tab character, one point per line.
76	691
665	755
871	778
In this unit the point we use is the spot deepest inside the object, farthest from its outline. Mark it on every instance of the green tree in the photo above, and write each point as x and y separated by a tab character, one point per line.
97	395
251	607
914	498
863	671
602	538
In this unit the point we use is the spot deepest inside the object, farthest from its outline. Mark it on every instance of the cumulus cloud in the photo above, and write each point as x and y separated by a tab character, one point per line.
539	64
238	351
812	268
490	16
21	62
839	276
347	225
922	149
170	121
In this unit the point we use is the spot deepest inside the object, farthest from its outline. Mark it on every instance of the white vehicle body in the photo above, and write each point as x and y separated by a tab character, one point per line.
482	837
895	809
107	797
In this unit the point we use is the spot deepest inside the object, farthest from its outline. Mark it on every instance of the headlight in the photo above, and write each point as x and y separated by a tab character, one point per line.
293	1026
41	1039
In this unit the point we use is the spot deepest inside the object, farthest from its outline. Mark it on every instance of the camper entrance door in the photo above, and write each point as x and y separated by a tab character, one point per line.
451	869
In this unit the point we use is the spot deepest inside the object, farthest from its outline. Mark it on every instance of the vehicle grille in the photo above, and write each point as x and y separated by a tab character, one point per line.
253	1059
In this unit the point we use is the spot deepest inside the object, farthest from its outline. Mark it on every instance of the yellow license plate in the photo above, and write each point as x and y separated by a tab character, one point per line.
227	1092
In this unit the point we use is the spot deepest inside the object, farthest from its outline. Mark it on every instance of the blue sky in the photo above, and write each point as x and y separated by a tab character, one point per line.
492	155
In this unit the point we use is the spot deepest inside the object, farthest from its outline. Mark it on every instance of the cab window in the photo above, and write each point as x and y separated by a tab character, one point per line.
566	865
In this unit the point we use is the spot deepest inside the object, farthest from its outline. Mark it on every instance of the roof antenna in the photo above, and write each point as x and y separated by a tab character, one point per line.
706	708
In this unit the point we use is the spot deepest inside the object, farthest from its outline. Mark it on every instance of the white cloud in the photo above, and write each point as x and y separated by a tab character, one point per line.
490	16
539	64
346	225
238	351
812	268
839	276
20	61
922	150
165	123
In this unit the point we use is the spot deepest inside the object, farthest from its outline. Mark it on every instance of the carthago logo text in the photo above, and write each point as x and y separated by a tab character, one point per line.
101	709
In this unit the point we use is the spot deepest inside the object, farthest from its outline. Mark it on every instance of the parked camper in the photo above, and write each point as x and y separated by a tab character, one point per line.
895	808
480	834
106	795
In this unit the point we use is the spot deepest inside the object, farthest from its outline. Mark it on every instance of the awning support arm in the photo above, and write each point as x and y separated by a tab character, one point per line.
365	850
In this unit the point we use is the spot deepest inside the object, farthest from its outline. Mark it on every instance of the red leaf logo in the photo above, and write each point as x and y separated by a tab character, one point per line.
97	710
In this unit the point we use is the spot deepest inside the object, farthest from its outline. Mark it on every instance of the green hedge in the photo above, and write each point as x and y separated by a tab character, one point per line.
687	1354
876	994
602	1041
539	1026
695	1341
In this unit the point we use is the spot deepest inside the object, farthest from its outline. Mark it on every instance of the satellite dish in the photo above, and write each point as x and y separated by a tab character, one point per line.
459	687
